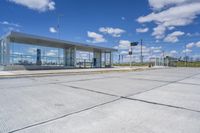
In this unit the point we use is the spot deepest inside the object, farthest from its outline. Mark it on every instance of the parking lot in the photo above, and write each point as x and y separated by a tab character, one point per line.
149	101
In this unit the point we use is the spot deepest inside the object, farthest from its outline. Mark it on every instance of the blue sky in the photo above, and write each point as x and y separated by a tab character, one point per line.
164	25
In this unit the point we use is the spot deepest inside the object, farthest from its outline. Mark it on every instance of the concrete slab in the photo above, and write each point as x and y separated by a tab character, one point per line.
21	107
71	78
191	81
166	75
47	104
19	82
180	95
124	116
197	76
116	86
155	77
183	72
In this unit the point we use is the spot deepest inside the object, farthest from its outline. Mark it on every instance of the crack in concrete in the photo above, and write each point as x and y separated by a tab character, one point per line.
99	92
161	104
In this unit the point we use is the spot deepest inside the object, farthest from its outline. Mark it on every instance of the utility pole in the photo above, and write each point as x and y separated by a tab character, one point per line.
163	60
185	55
122	59
58	31
58	25
141	58
130	54
119	58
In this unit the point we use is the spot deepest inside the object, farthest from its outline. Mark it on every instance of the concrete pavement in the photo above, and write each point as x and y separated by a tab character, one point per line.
28	73
153	101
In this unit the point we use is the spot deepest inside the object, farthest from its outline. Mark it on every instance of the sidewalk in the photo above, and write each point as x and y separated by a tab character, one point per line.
7	74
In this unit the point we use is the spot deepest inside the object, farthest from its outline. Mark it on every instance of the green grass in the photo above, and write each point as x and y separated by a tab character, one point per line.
133	64
189	64
178	64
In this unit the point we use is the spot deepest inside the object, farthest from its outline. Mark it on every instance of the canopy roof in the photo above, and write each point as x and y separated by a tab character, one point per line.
24	38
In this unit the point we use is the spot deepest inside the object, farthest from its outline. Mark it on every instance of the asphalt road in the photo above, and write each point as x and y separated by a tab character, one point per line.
150	101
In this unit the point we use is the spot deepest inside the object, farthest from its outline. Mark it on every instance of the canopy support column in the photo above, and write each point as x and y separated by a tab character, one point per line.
97	60
5	51
70	57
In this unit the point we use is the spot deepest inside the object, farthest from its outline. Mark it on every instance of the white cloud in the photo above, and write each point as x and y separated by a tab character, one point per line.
193	34
142	30
39	5
145	50
193	44
179	13
173	52
18	53
83	54
175	16
187	51
124	44
115	32
190	45
160	4
116	47
198	44
32	50
157	41
52	53
52	30
171	28
173	37
10	24
156	49
123	52
159	31
8	29
96	38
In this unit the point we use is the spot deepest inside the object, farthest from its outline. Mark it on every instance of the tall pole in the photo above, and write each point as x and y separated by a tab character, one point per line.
130	61
185	55
132	44
163	54
58	25
130	53
119	58
141	58
58	31
122	59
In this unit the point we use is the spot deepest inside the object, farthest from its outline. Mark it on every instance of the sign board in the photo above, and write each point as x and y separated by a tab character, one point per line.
130	52
134	44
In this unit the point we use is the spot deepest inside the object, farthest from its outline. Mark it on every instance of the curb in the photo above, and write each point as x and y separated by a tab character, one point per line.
68	73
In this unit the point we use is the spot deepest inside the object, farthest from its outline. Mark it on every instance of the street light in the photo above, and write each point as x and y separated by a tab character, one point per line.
132	44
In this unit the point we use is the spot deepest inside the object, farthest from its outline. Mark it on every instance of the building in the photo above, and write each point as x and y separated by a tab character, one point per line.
163	61
25	51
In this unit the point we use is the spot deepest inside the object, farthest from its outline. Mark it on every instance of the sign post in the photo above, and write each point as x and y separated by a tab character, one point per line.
132	44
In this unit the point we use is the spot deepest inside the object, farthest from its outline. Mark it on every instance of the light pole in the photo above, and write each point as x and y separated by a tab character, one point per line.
185	55
58	31
130	53
58	25
132	44
163	60
141	47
